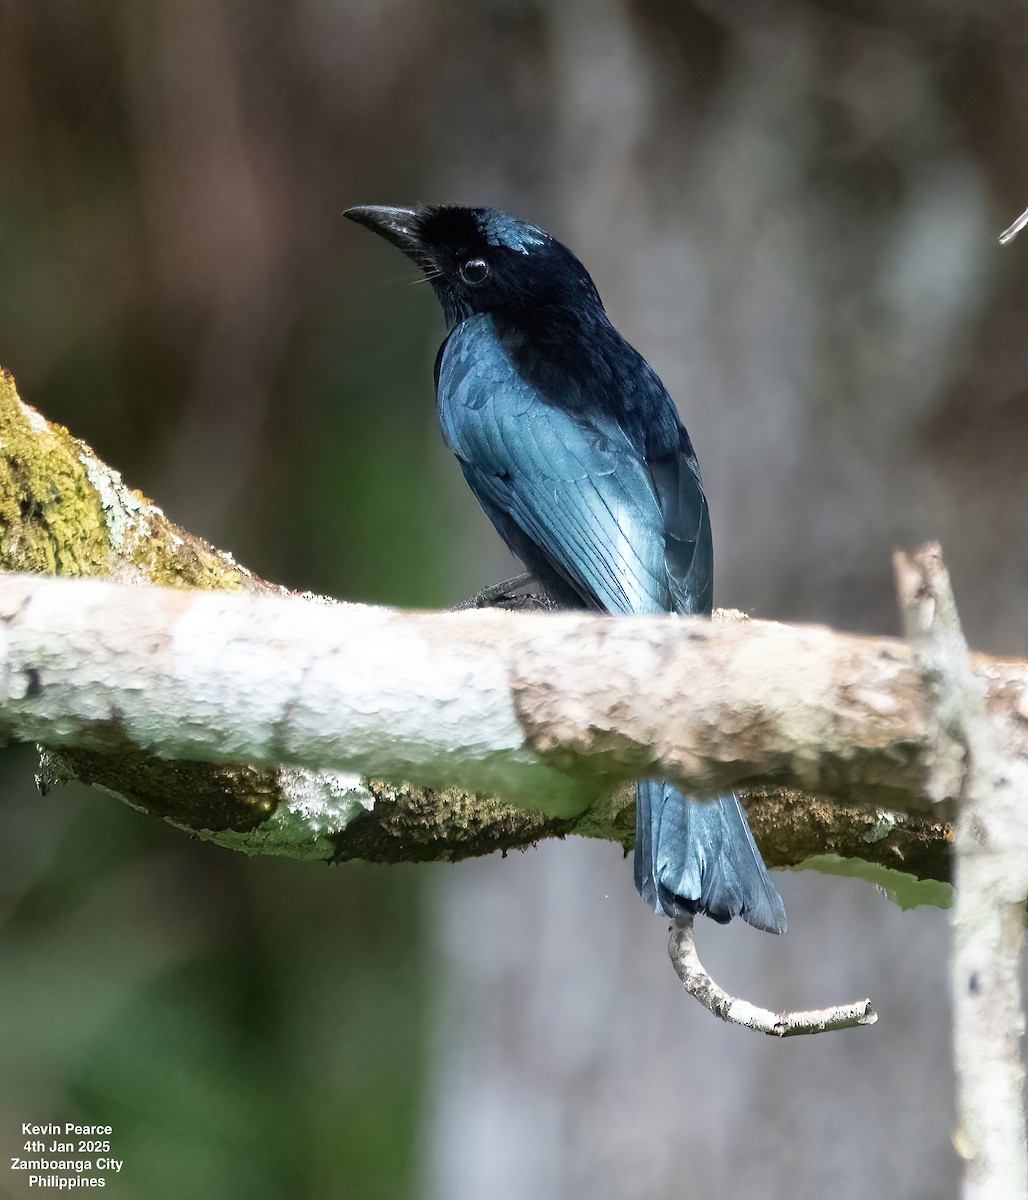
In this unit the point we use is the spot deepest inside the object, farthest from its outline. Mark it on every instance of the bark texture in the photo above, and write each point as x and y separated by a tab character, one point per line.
835	763
543	710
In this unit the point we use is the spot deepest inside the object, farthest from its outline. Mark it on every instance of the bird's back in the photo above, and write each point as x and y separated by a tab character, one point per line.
574	449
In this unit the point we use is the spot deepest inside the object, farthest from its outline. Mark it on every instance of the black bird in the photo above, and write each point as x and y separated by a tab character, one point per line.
574	449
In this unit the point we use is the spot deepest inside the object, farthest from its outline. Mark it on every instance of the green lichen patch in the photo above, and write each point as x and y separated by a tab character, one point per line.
51	518
125	511
315	810
902	889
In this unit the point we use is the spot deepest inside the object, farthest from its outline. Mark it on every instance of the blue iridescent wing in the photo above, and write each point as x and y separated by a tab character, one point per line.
568	488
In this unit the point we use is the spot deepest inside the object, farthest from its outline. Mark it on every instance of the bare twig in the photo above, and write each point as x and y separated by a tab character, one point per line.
698	983
991	875
1009	234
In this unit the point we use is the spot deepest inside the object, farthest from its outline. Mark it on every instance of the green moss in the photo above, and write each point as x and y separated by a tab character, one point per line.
51	518
411	824
611	817
197	795
64	512
169	557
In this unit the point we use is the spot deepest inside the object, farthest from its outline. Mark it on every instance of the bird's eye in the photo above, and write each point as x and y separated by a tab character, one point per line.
474	271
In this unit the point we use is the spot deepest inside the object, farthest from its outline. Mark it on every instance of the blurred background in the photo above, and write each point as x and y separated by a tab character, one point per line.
791	208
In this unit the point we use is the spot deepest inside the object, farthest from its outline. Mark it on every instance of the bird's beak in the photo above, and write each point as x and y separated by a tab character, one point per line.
396	225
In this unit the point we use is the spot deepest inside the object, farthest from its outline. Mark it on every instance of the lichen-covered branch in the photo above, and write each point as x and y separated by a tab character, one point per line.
62	511
65	512
545	711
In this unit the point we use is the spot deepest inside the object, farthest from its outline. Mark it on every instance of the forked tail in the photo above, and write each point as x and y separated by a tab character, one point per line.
699	856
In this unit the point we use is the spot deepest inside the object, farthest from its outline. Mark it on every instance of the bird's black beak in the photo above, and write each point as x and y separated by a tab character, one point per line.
396	225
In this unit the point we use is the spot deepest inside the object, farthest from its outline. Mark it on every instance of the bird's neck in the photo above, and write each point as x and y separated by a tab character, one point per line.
569	356
553	328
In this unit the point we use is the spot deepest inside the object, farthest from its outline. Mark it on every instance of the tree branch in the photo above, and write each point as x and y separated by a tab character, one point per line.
541	710
64	511
991	885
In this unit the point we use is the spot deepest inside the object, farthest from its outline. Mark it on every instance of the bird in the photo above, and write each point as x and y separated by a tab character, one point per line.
576	452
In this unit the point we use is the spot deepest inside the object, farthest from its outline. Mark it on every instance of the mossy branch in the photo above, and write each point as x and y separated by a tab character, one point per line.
64	512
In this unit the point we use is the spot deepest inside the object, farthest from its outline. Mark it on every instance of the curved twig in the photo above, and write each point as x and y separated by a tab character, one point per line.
698	983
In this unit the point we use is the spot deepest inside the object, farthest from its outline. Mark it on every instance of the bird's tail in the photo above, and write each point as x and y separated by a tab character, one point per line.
699	856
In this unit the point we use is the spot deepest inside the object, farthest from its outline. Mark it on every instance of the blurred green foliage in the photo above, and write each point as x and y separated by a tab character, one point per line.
178	289
249	1028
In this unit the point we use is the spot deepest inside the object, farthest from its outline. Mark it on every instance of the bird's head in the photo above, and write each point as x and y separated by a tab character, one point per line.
481	260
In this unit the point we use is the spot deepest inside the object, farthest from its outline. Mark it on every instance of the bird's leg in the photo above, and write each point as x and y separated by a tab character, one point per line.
521	592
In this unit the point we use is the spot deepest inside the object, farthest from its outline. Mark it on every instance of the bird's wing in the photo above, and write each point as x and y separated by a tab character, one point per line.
688	547
574	485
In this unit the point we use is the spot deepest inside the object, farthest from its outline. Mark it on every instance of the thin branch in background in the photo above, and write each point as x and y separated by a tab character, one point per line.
1008	235
991	876
697	982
